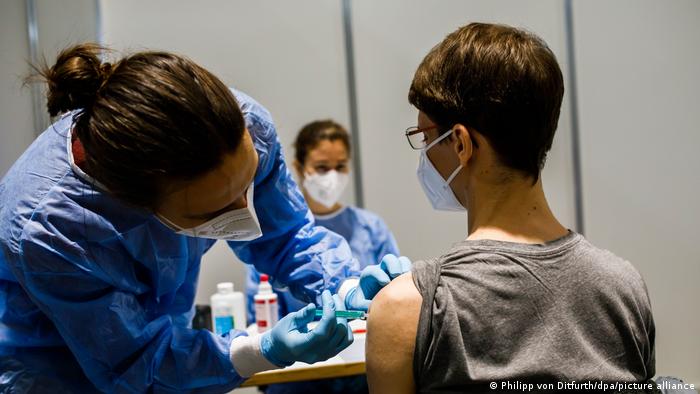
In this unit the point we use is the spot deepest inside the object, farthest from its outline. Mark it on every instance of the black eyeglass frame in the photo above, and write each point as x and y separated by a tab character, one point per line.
413	130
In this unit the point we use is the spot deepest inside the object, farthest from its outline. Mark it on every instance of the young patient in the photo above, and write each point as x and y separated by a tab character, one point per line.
522	298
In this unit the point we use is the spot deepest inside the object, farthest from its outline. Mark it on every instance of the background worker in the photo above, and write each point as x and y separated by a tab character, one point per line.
322	154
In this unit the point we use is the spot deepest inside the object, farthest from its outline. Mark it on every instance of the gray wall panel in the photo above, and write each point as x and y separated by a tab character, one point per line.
15	102
637	66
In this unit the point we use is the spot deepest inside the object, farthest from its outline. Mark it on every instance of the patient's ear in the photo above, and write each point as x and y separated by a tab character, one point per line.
464	145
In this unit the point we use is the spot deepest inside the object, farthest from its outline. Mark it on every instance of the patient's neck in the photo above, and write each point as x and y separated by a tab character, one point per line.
514	211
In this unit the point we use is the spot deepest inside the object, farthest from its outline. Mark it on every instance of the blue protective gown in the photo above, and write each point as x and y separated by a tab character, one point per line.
369	238
97	295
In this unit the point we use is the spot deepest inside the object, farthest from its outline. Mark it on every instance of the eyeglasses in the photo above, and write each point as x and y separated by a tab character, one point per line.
419	140
416	136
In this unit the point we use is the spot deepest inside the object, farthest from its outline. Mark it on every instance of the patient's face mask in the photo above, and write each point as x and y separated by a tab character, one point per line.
436	188
237	225
326	188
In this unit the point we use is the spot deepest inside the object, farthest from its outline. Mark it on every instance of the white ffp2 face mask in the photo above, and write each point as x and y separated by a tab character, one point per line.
437	189
237	225
326	188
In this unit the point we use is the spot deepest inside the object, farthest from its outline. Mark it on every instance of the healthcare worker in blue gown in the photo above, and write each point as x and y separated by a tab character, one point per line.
105	217
322	154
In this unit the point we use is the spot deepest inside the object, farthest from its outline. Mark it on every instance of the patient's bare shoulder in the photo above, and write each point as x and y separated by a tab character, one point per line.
391	336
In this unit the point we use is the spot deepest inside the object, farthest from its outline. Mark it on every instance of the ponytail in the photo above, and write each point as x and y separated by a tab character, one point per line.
76	78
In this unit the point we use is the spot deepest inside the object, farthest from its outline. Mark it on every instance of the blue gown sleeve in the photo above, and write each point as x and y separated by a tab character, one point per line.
121	344
292	250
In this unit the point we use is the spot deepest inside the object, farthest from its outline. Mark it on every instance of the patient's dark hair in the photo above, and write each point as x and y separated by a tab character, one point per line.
503	82
313	133
146	121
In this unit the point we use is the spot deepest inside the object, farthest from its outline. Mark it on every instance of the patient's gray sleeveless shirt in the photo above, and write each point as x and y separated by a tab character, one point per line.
497	311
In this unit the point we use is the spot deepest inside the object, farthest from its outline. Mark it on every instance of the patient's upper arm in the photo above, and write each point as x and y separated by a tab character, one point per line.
391	336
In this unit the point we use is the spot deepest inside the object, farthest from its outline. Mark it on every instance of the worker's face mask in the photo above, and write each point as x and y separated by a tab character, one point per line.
436	188
237	225
326	188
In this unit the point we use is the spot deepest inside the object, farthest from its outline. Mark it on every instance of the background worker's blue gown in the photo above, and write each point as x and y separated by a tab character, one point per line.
97	295
370	239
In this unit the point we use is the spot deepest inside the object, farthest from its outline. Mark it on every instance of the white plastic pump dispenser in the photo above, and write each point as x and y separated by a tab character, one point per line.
228	309
265	305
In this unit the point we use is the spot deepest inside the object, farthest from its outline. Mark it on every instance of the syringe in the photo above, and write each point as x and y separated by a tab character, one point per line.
345	314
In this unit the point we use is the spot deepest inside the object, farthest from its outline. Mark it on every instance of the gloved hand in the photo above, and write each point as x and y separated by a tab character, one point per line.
373	278
290	340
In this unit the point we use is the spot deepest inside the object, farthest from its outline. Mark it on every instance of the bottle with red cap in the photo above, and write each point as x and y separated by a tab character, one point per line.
266	311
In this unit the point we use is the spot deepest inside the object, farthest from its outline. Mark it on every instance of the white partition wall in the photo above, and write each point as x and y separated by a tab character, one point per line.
17	131
57	25
391	38
287	55
64	23
639	100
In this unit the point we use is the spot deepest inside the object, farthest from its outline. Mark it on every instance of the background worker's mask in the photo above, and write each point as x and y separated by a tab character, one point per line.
436	188
326	188
237	225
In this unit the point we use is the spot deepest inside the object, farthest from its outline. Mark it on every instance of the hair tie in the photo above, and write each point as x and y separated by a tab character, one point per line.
106	70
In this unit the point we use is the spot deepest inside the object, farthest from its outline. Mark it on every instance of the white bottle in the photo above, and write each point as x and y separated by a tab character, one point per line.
265	305
227	309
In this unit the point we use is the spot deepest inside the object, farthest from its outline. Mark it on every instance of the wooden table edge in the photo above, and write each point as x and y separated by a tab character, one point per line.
302	374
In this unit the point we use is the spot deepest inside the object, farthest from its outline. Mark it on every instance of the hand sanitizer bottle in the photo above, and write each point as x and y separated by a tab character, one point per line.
227	309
